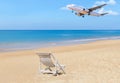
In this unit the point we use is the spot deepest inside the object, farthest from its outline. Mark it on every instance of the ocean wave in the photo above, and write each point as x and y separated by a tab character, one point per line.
35	45
64	35
91	39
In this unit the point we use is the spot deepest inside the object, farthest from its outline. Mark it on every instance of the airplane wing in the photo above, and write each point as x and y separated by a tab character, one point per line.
97	7
97	14
104	14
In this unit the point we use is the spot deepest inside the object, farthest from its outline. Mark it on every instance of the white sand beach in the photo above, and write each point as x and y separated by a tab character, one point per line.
96	62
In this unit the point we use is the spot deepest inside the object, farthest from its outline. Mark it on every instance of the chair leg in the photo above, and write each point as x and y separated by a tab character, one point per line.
55	73
48	68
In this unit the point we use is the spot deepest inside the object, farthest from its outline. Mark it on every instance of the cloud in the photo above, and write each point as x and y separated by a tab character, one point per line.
99	2
110	12
110	2
66	7
69	5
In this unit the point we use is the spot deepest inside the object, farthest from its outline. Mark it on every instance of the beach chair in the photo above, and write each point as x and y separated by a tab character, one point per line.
51	65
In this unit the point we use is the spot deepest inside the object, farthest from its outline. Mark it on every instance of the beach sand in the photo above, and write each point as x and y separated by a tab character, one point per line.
95	62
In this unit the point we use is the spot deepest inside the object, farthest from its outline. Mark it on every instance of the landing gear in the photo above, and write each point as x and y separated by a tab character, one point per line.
88	13
72	11
83	16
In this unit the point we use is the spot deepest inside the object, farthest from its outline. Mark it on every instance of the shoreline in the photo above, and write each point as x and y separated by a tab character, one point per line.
52	48
11	47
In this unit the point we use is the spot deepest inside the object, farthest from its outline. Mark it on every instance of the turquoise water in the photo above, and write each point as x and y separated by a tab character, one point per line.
30	39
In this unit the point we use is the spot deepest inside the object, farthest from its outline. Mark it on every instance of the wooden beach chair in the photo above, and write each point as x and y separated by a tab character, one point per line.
51	65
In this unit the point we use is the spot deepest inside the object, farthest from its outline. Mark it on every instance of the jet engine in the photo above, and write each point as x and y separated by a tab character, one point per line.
78	14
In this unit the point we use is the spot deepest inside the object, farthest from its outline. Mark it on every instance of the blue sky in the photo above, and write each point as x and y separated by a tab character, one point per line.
48	14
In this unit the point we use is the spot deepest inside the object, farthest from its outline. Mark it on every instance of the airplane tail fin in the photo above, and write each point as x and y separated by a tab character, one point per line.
104	14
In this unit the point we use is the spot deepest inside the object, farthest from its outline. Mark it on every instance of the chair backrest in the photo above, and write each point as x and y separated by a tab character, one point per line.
45	59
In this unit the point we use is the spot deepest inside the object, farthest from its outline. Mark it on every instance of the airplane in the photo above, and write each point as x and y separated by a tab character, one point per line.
79	11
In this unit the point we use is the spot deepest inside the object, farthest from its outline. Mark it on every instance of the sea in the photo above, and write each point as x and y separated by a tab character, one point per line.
12	40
